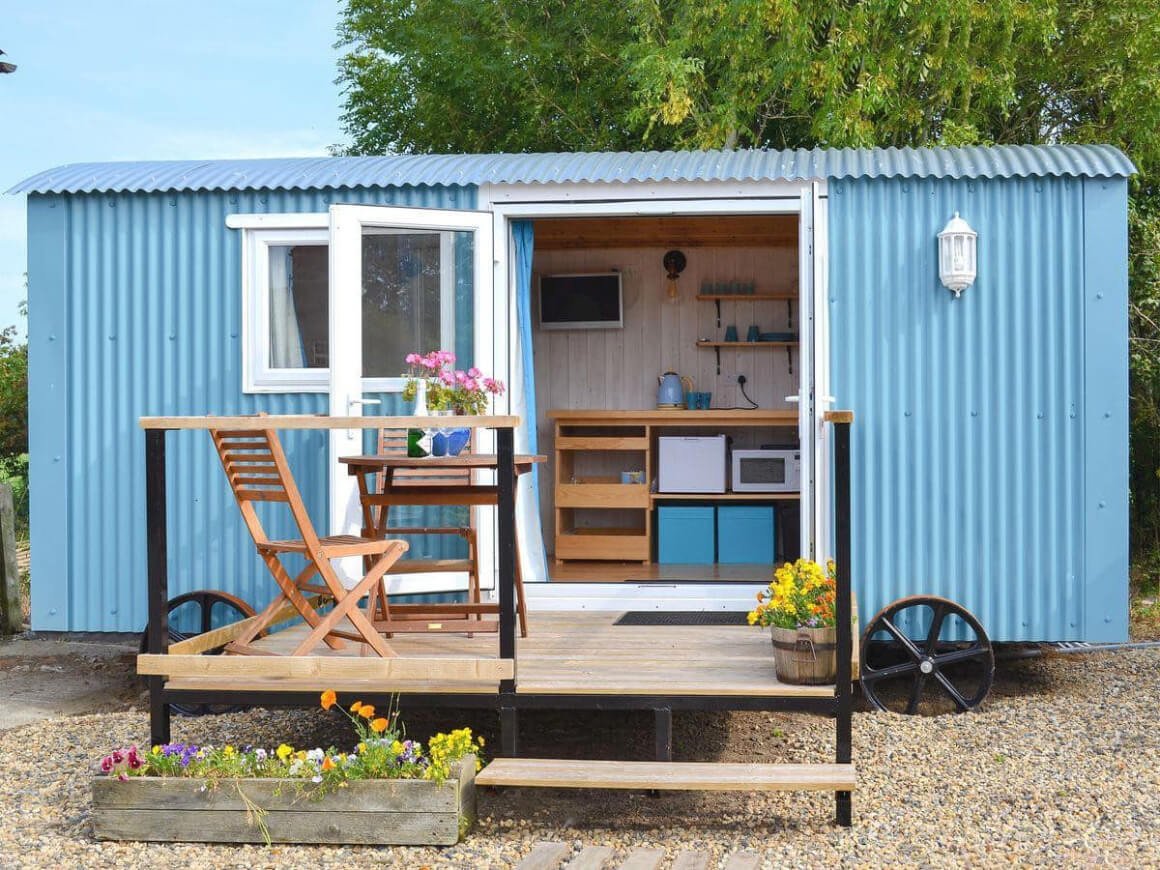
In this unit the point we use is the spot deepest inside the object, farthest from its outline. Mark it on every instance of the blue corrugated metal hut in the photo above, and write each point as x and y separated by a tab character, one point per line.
990	443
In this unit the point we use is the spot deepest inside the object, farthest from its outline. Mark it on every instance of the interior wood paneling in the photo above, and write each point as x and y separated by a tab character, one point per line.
617	369
717	231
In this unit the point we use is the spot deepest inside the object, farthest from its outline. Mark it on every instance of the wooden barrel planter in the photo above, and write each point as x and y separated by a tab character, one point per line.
370	812
805	656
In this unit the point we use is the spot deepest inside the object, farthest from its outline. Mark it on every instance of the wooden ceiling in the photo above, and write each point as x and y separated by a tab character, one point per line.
726	231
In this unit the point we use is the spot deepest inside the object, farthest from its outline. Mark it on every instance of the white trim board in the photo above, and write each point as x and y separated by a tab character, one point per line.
620	192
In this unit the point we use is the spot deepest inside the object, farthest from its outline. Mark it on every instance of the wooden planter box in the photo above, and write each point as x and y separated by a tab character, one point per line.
382	812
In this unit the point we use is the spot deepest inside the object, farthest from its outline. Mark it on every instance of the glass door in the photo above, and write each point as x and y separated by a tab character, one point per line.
397	277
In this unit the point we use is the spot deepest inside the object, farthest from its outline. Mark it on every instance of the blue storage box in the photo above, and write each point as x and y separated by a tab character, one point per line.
685	535
745	534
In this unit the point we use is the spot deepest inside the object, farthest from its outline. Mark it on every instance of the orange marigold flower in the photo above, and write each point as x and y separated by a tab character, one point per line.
329	699
379	725
366	711
356	706
328	763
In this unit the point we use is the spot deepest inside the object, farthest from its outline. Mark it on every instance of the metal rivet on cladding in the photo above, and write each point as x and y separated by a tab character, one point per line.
1107	414
974	413
1040	415
52	612
56	459
1099	296
113	612
52	338
906	413
1103	504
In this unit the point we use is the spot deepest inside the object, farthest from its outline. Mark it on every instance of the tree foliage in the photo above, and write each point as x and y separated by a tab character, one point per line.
446	76
512	75
13	394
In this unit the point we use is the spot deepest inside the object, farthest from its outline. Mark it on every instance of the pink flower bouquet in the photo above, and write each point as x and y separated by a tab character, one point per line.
449	388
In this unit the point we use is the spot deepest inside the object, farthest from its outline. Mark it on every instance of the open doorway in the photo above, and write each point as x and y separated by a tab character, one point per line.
637	490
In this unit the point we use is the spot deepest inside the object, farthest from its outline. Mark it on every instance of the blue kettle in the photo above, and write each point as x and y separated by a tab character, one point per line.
671	390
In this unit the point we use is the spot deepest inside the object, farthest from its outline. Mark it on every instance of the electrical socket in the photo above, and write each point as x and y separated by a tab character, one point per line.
730	378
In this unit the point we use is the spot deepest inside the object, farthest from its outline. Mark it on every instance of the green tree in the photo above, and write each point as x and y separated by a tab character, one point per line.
13	393
446	76
449	76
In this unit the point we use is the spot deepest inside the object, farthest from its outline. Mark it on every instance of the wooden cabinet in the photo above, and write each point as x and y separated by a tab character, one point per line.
599	517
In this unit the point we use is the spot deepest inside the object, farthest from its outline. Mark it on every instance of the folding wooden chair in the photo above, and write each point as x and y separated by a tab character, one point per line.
256	467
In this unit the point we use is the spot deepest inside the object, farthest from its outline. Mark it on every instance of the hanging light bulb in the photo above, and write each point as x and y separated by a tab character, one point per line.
674	263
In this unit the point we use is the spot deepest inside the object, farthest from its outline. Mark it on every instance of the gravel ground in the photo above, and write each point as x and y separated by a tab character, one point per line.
1060	768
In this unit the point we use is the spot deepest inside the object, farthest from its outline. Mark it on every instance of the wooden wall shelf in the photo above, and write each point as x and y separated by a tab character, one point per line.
747	297
770	344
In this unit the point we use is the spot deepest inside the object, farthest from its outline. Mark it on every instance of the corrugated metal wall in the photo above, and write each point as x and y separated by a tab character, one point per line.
978	421
135	308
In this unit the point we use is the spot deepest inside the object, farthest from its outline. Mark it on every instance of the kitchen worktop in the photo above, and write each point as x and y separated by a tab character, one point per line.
721	417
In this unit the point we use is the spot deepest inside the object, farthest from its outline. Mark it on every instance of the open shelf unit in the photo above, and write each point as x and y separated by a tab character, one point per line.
593	447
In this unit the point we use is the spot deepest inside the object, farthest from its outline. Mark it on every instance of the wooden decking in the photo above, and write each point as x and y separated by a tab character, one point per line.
566	653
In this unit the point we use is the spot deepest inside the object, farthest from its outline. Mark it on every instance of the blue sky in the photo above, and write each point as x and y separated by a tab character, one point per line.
160	80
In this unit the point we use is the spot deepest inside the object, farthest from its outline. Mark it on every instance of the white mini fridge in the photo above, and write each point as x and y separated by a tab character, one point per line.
692	463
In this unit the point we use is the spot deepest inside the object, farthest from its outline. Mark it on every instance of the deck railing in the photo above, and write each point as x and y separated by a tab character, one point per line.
157	664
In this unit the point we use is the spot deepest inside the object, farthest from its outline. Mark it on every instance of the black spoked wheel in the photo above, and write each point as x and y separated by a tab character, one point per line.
926	655
196	613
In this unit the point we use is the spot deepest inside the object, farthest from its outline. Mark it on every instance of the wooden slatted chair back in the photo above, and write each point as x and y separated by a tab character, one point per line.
393	442
256	467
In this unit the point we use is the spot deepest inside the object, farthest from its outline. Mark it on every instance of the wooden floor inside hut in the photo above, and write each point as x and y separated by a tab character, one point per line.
567	653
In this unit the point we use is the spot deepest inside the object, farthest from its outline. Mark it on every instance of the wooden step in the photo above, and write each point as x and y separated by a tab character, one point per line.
670	775
552	856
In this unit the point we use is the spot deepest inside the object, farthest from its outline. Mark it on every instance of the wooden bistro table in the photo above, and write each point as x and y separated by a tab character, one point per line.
397	490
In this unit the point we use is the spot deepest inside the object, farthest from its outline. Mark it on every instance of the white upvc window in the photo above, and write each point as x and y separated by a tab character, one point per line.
408	302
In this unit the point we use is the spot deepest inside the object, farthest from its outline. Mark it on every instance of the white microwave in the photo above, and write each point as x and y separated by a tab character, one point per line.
767	471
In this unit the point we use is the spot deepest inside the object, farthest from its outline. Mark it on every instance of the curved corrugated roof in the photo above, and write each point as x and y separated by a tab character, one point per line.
307	173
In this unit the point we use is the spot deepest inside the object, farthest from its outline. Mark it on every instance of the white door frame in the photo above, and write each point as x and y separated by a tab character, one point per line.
814	398
516	201
346	383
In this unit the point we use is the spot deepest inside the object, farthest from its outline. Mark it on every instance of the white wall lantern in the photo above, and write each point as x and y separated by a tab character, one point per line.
957	262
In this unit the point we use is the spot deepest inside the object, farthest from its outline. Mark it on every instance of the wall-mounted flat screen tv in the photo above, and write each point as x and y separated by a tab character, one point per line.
590	301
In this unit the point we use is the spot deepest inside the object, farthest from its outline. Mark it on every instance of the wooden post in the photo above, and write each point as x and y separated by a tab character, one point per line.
664	733
158	583
506	552
843	612
11	618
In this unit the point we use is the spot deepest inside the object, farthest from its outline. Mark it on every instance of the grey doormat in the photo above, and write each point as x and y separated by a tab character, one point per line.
682	617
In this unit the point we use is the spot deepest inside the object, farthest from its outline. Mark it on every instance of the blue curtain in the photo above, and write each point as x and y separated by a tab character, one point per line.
524	237
534	559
